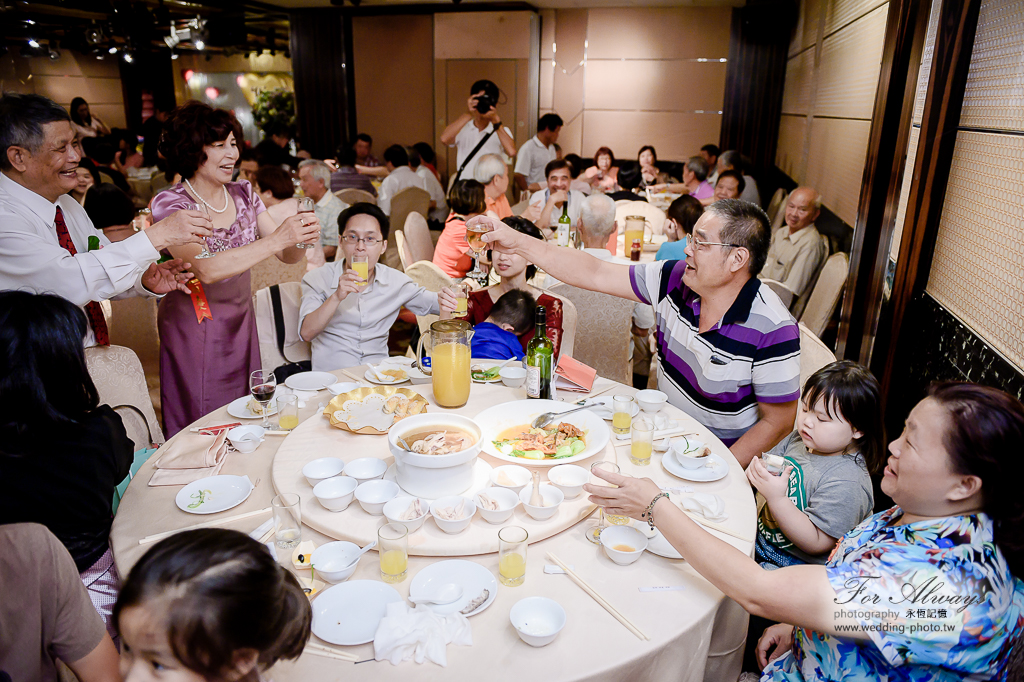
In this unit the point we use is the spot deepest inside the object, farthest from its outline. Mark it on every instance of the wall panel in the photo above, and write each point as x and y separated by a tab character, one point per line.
796	99
790	155
835	163
678	135
659	33
654	85
72	75
850	62
994	98
839	13
481	35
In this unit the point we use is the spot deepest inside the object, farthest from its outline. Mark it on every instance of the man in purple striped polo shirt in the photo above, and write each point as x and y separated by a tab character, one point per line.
728	350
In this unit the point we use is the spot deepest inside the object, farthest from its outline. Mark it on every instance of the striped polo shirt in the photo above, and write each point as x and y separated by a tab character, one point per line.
752	355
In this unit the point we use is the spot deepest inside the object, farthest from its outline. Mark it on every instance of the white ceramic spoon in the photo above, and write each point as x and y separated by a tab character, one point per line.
361	552
445	594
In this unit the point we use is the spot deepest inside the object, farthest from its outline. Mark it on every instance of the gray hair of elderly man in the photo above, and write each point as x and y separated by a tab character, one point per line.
319	170
745	225
489	167
22	118
597	215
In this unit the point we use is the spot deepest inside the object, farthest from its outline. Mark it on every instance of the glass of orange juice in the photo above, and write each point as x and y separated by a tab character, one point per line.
288	411
642	442
361	264
512	543
462	299
393	548
622	414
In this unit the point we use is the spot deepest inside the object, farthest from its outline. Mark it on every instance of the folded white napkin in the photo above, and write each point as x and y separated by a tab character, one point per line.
419	634
711	507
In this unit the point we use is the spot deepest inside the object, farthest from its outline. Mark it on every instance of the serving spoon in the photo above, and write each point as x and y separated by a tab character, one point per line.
548	417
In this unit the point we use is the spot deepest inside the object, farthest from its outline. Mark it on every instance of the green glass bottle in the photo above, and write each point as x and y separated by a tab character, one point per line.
564	226
540	356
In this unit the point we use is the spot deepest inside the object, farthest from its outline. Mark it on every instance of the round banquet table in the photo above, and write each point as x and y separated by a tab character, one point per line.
696	633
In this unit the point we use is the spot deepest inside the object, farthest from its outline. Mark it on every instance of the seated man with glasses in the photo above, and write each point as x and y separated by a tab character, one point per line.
347	316
729	351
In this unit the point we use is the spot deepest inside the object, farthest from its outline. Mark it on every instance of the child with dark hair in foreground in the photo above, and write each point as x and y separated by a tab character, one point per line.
497	337
209	604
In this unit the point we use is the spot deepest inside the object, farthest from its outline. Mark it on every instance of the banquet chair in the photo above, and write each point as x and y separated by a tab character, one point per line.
272	271
295	349
776	203
356	196
431	278
826	292
121	383
132	324
784	293
655	216
403	249
603	329
518	209
800	302
779	219
409	200
814	354
417	237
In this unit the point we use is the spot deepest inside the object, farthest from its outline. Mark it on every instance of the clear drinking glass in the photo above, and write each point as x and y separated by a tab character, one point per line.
475	239
393	549
622	414
201	207
287	520
305	206
642	444
512	555
288	411
594	531
361	264
262	384
462	299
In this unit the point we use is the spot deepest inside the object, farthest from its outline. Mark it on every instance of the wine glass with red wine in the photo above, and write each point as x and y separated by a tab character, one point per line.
306	206
262	384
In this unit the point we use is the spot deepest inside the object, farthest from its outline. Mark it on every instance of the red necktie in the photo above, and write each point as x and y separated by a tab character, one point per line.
92	309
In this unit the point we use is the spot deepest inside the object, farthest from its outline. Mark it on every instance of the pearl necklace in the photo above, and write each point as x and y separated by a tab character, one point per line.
205	202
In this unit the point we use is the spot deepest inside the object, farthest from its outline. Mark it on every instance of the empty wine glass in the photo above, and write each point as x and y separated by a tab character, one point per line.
262	384
305	206
201	207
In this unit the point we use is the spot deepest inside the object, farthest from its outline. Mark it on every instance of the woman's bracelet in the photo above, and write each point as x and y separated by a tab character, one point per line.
649	512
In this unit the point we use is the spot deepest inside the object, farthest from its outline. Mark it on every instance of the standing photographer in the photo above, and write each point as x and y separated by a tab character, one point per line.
478	131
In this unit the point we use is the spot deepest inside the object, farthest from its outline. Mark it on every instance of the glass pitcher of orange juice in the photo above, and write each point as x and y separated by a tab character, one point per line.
449	361
634	230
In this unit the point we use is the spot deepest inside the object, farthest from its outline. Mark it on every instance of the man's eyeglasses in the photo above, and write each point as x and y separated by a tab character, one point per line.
697	243
369	241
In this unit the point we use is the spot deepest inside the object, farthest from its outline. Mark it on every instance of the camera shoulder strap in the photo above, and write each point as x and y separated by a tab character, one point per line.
481	143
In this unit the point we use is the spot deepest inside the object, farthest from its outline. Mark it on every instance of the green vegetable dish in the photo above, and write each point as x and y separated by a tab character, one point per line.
564	440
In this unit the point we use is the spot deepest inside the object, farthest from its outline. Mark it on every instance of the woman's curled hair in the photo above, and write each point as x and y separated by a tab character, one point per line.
190	128
222	592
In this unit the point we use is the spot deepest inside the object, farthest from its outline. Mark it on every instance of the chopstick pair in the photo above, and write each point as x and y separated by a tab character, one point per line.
597	597
328	652
715	526
206	524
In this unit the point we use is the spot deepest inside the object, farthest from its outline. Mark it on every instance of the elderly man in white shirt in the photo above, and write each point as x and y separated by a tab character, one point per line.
45	234
315	180
546	207
537	153
346	317
400	176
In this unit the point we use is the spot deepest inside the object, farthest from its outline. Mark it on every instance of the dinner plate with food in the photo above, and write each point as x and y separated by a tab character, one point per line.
246	407
692	460
386	374
509	436
213	494
479	587
487	372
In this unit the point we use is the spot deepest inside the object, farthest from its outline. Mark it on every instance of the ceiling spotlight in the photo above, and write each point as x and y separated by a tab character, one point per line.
128	58
200	45
30	22
174	55
112	50
32	43
54	54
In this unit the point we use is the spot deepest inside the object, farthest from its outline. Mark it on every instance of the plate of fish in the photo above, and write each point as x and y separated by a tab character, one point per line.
508	435
373	410
479	587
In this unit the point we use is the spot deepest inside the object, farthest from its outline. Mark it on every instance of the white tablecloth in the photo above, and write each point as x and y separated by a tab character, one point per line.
696	633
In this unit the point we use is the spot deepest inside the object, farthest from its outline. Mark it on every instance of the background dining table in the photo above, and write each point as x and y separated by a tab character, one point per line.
696	633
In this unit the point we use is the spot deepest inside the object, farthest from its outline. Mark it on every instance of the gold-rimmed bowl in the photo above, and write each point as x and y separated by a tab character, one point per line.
417	405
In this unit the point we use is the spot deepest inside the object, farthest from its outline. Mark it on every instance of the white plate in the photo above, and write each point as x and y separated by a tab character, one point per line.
372	378
343	387
487	366
702	475
481	479
603	408
239	408
472	577
310	381
496	419
213	494
348	613
657	544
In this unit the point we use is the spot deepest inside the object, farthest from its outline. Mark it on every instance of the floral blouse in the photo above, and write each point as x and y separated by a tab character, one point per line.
947	605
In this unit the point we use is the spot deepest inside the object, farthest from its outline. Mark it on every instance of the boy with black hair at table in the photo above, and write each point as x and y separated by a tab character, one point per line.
497	337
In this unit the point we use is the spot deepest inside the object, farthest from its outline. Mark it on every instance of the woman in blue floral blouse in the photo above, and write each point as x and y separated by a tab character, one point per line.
922	591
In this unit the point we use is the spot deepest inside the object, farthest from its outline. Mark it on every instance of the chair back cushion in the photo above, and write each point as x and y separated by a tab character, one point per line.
402	246
272	271
417	236
119	379
356	196
784	293
776	203
266	331
603	331
825	295
779	219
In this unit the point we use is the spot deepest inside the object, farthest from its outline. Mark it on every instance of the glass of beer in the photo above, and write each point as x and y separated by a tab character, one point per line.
305	206
361	264
512	555
475	239
393	548
622	414
642	442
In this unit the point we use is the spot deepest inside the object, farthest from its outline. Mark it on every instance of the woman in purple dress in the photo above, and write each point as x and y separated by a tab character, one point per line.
206	357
